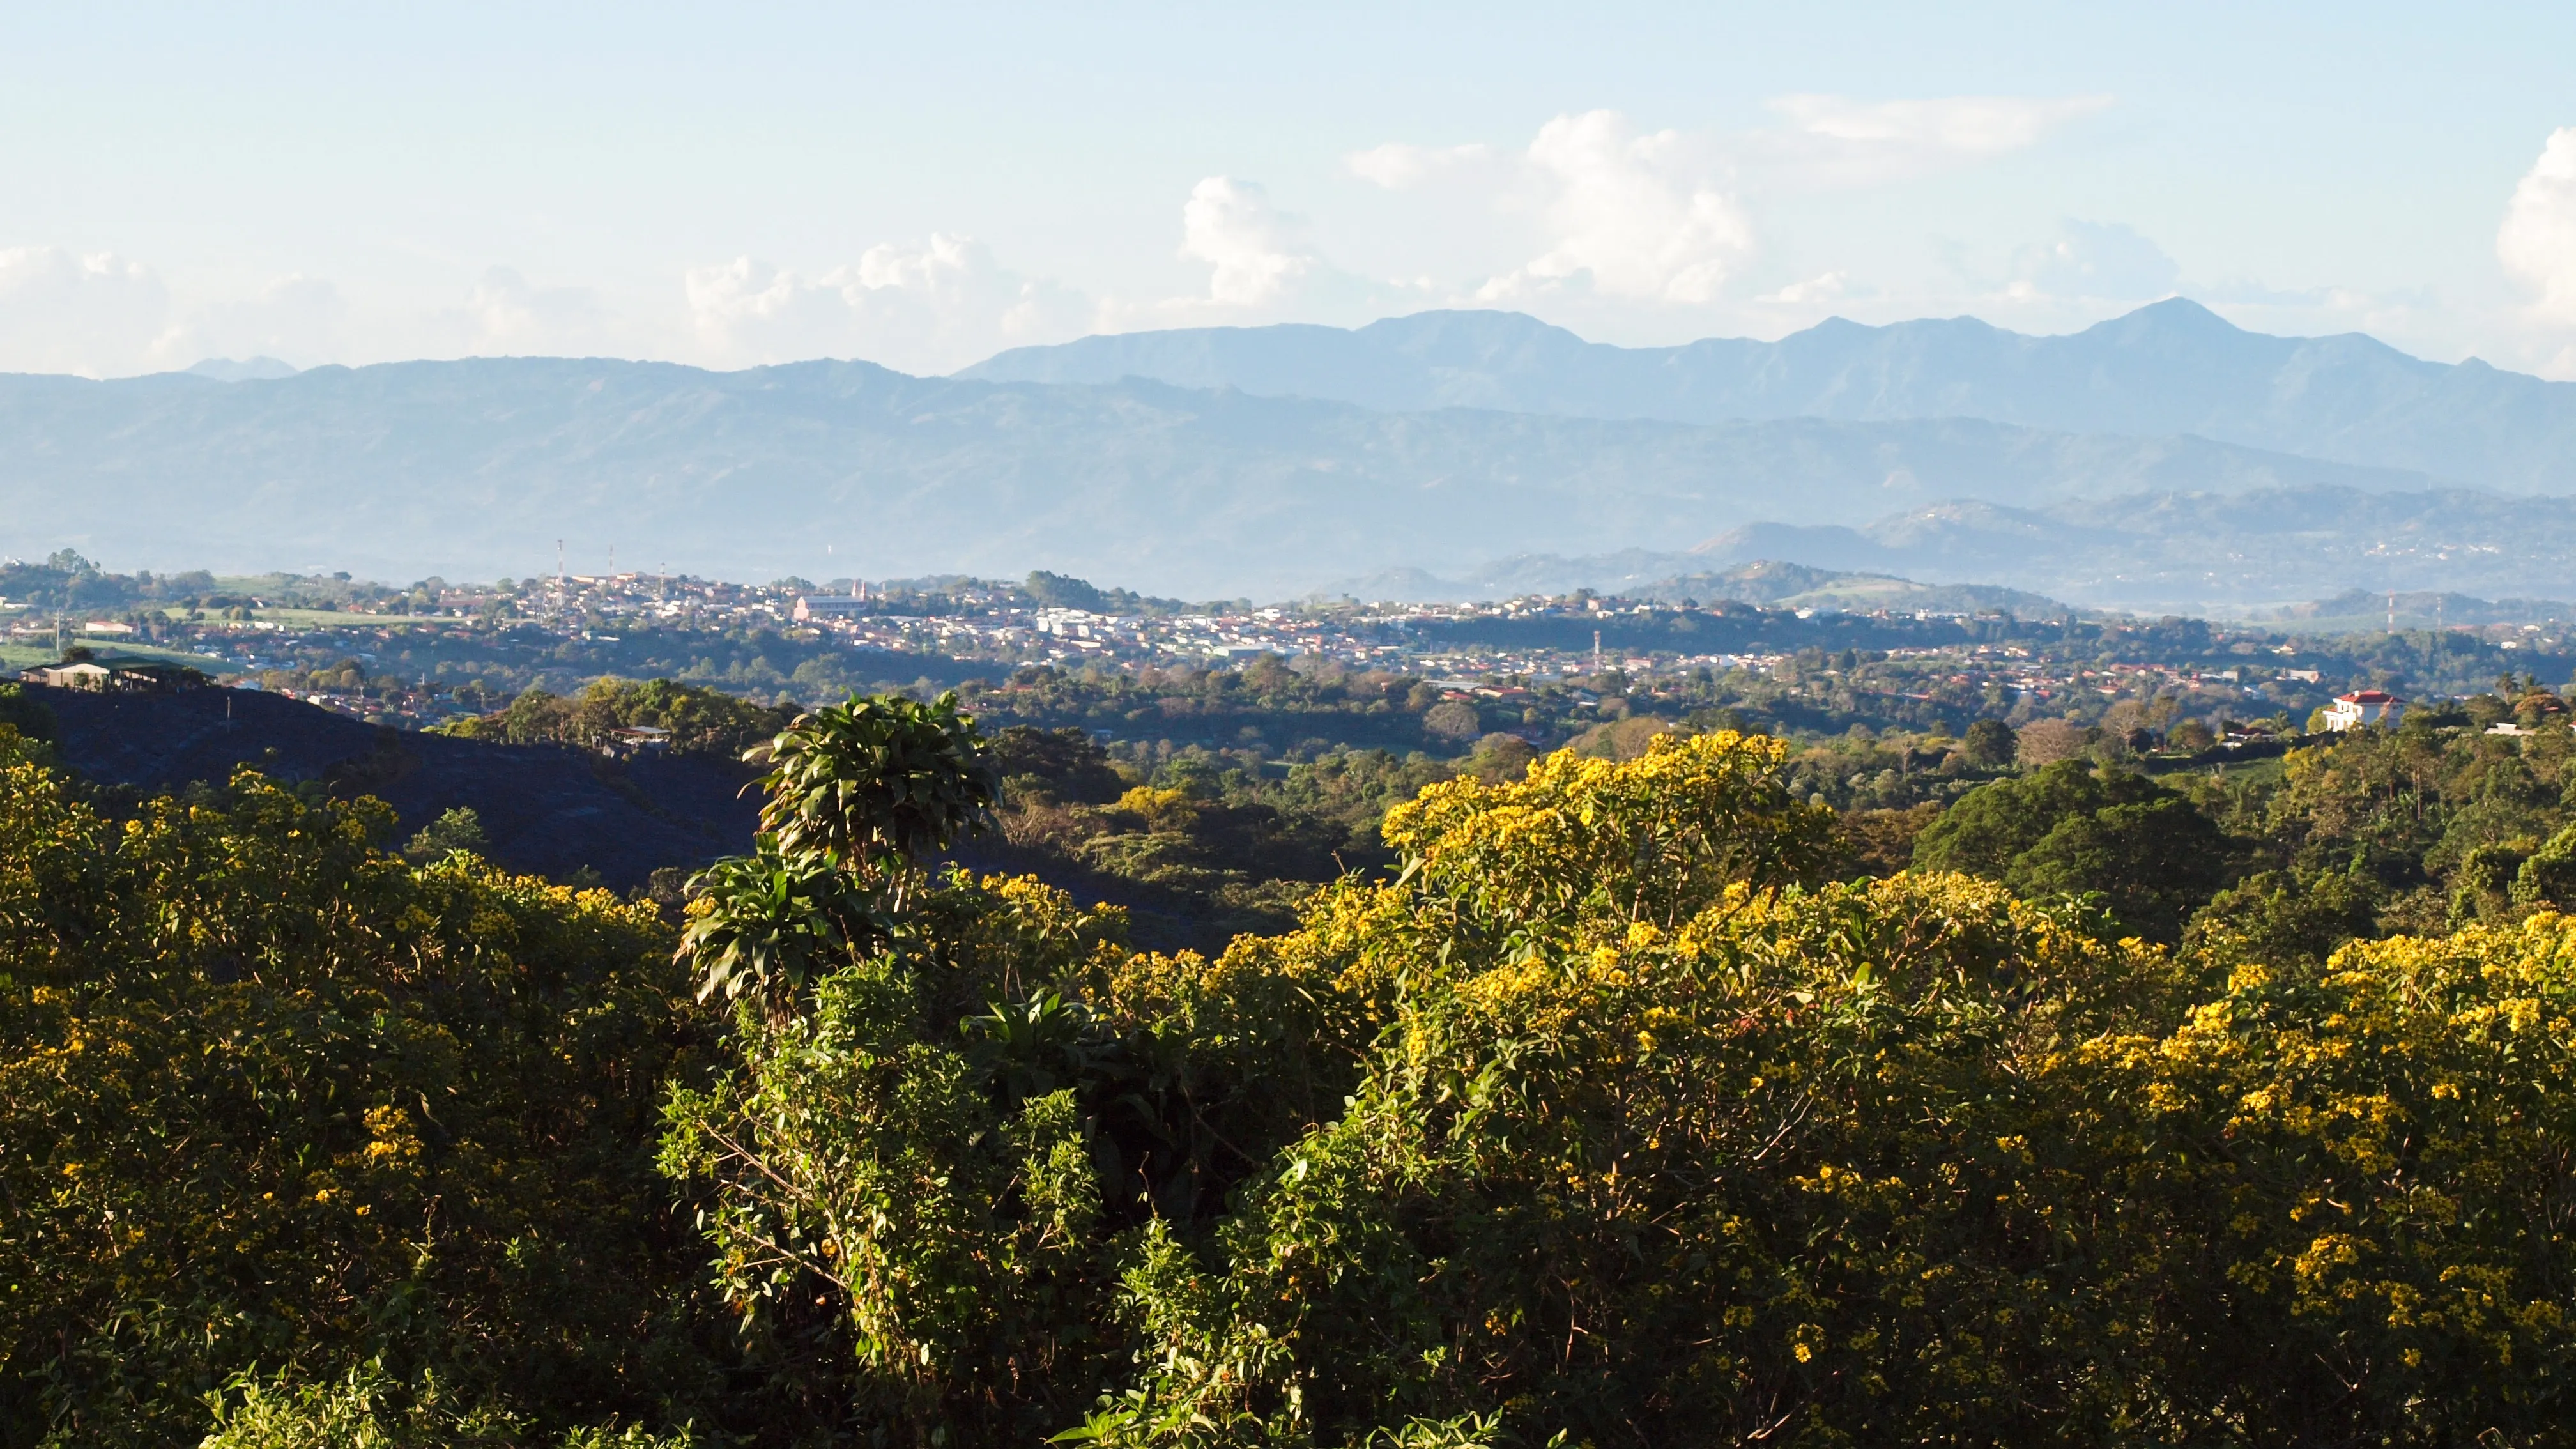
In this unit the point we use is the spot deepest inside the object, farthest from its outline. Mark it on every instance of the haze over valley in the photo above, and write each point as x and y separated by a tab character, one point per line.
2163	460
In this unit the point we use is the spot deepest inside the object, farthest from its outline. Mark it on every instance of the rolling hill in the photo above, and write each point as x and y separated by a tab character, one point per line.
544	808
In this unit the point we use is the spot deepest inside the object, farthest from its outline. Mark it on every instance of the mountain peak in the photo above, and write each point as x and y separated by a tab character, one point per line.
253	369
1445	328
2177	317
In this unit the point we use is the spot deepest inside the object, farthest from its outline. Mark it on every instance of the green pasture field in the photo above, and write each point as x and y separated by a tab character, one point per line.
22	656
338	619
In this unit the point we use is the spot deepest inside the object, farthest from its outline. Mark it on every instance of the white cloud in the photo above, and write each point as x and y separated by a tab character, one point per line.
925	309
1633	216
96	315
1836	140
2537	242
1231	225
1400	167
507	315
297	315
746	296
298	318
1658	219
1822	290
2104	261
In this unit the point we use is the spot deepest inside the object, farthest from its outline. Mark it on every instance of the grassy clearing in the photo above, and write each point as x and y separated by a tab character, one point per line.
336	619
21	656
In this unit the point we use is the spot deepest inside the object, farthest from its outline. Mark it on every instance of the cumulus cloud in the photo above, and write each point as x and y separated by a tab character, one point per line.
1400	167
2537	242
736	300
95	314
506	314
1631	216
1660	217
1836	140
1821	290
298	318
930	308
2100	261
1610	212
1231	226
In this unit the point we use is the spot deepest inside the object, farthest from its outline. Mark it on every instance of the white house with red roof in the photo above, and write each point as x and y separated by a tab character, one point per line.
2363	707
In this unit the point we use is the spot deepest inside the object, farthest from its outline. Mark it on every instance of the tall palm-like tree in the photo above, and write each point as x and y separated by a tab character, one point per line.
767	924
860	795
876	784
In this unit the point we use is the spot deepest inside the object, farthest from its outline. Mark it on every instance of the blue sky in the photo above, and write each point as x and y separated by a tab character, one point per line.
926	184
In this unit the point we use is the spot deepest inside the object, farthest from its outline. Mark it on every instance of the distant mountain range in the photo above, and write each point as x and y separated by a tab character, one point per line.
2171	368
2187	552
474	468
2359	610
251	369
2165	460
1692	578
2203	551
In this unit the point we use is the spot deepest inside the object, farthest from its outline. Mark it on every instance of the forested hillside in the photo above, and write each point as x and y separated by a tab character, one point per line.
1631	1093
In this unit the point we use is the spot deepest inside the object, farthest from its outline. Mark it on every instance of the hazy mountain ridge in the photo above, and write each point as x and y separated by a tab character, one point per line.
244	369
1693	578
2192	550
2365	609
2171	368
474	468
2155	552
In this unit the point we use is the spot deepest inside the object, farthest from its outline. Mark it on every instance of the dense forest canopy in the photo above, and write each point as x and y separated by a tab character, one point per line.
1629	1093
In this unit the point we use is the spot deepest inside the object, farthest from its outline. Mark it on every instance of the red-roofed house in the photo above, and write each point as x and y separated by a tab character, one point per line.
2363	707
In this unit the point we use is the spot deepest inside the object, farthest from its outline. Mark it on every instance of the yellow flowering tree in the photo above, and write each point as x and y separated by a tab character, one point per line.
274	1098
1906	1161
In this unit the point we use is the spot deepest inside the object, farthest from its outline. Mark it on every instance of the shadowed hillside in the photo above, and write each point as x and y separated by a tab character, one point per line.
543	808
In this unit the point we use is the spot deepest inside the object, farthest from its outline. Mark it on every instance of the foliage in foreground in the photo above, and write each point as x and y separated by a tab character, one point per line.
273	1097
368	1410
1645	1141
1605	1119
